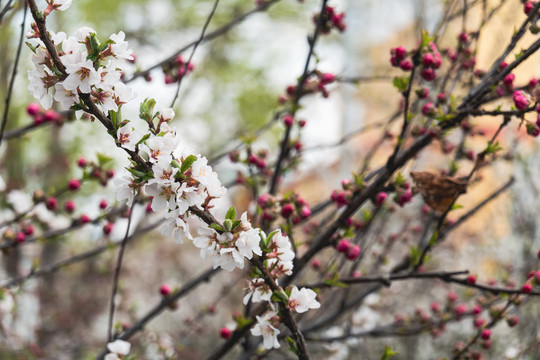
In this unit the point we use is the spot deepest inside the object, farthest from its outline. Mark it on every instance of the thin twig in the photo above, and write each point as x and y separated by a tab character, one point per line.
13	73
183	74
117	275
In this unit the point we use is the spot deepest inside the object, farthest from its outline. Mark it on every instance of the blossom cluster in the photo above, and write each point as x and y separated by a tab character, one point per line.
91	68
279	261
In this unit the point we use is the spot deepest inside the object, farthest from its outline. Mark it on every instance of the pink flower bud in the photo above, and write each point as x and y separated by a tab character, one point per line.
428	60
39	119
108	228
471	279
69	206
327	78
301	123
33	109
51	115
20	237
110	173
422	93
287	210
509	79
81	162
428	74
398	52
305	212
460	310
478	322
527	7
406	65
28	230
512	320
85	219
354	252
452	297
225	333
74	184
463	37
503	64
533	82
165	290
435	307
380	197
486	334
441	98
103	204
428	109
52	203
288	120
526	288
316	263
477	309
343	246
520	100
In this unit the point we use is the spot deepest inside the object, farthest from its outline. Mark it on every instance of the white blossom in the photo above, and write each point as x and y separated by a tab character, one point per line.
128	137
164	196
119	347
264	328
258	291
303	300
175	224
126	189
248	243
66	97
205	242
81	75
120	47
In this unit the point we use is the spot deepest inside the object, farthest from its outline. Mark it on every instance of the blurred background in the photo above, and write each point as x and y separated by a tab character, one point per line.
231	94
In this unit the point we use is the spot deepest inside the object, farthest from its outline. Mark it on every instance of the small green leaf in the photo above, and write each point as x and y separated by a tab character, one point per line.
280	296
186	164
401	83
228	225
137	173
292	345
143	139
217	227
231	214
388	353
434	238
456	206
426	39
103	159
146	110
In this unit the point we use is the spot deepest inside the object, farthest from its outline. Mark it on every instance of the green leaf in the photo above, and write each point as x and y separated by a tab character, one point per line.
388	353
103	159
401	83
114	118
143	139
217	227
493	148
414	254
292	345
231	214
94	45
228	225
280	296
456	206
434	238
426	39
236	223
146	110
186	164
137	173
